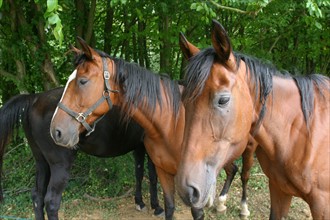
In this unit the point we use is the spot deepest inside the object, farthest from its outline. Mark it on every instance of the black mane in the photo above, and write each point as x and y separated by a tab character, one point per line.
261	80
141	87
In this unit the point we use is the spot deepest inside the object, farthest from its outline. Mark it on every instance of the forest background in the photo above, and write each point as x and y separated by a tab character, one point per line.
35	36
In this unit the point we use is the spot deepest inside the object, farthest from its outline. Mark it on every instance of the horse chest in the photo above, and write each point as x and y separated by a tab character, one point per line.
289	177
161	155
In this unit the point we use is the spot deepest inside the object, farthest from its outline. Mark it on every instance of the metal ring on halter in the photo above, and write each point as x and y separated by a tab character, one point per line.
80	117
106	94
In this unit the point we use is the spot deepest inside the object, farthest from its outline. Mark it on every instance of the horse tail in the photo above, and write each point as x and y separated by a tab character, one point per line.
12	114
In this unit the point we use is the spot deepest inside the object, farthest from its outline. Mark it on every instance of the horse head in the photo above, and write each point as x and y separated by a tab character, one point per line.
88	95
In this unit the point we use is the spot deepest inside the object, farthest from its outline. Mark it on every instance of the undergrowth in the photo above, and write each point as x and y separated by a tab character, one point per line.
90	176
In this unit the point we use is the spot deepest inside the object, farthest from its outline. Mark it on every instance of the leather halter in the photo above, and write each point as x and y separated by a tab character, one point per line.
81	116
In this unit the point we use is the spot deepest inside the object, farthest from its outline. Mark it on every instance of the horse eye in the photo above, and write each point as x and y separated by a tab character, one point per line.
83	81
223	100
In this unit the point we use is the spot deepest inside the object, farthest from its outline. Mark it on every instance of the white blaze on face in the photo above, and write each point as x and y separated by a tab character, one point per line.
71	77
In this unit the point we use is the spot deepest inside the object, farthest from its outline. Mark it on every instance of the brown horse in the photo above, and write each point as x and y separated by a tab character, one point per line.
229	96
151	100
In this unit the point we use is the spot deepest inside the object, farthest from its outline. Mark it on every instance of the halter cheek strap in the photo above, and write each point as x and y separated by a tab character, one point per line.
81	116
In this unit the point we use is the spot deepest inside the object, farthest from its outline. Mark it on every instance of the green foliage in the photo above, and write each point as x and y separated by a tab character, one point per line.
291	34
313	8
207	13
17	177
294	35
118	2
52	19
92	176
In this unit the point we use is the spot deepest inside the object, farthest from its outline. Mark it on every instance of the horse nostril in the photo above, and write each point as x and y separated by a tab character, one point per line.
58	134
194	194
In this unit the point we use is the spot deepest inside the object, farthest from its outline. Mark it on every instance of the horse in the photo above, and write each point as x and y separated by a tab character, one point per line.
100	81
230	97
53	162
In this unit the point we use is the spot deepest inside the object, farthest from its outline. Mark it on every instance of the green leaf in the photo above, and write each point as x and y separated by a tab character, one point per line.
213	14
47	14
0	3
318	25
59	8
54	19
51	5
183	30
139	14
193	6
199	8
58	32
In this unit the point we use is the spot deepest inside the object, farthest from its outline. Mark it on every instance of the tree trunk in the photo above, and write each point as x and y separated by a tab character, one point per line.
108	29
90	23
135	49
141	44
20	66
47	65
125	53
80	13
165	50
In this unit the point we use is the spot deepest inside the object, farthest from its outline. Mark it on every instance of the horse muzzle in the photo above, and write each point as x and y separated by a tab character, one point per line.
65	136
197	189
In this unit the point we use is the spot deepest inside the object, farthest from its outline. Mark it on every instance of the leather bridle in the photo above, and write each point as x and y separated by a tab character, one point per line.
81	116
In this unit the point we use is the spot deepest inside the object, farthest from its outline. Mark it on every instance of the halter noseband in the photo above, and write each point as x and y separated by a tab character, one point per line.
81	116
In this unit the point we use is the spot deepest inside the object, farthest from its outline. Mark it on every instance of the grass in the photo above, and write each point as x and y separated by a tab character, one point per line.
100	177
96	187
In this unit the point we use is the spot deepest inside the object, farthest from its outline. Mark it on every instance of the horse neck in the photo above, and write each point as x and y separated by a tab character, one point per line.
161	122
283	117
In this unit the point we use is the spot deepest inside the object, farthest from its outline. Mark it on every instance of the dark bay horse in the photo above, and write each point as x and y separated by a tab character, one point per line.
100	81
53	162
230	96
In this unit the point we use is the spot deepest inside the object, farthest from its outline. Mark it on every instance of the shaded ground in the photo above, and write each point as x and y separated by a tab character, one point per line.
123	208
83	206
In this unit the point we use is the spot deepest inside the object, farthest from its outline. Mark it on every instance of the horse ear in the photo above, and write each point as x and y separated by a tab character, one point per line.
86	49
220	41
186	47
75	50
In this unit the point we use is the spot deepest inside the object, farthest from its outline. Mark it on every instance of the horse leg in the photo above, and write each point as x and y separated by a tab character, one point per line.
139	154
319	205
38	192
247	164
60	173
40	188
280	202
231	170
159	211
167	183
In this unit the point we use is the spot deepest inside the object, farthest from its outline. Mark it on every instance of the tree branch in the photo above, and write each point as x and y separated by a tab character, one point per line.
253	13
229	8
274	44
8	75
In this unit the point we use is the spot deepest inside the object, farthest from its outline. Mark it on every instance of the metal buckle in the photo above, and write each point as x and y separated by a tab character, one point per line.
81	117
106	74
